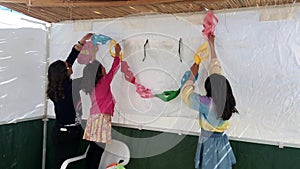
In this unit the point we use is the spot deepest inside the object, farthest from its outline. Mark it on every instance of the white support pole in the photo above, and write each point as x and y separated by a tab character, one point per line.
45	117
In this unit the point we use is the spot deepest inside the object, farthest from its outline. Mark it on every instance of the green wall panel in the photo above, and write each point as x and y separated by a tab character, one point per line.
260	156
181	156
21	148
21	145
248	155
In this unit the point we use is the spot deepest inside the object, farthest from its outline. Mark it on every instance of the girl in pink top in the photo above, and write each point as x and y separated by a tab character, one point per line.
96	83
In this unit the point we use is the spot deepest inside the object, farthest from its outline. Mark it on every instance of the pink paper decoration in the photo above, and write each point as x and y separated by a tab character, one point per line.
140	89
209	24
87	53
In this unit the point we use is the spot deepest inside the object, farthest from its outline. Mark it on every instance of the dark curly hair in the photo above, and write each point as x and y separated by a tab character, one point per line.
57	76
92	73
219	89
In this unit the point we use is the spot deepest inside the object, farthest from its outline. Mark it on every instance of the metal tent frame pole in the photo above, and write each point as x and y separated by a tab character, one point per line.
45	116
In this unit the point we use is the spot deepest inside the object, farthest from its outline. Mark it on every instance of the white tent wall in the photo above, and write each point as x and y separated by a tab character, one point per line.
259	51
22	68
23	53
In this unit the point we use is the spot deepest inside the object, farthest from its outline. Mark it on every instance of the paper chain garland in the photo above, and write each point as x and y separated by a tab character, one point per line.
201	54
166	95
140	89
147	93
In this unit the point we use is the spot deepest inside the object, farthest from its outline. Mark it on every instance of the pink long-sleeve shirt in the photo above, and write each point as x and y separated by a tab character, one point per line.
101	97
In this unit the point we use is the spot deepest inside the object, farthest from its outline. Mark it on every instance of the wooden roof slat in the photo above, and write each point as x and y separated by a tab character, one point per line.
62	10
92	3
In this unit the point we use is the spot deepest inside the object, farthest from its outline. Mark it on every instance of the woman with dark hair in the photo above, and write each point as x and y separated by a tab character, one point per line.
64	93
215	109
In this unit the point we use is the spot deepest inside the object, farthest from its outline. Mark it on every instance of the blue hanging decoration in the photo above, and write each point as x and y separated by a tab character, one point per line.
102	39
186	76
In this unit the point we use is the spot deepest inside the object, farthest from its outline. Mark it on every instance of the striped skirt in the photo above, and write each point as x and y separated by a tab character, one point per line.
98	128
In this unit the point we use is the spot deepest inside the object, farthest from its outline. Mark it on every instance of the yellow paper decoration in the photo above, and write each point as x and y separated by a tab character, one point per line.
202	53
111	44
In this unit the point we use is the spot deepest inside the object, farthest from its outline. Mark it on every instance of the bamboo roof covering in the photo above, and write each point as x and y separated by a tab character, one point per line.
54	11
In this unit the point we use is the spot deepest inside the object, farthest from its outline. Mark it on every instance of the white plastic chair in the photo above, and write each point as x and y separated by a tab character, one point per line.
114	152
77	158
